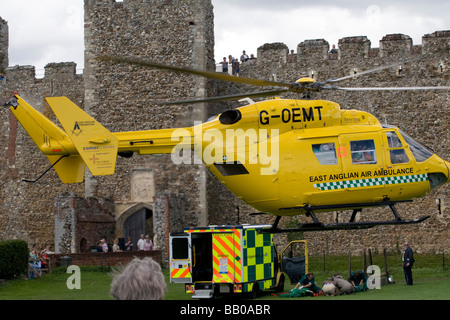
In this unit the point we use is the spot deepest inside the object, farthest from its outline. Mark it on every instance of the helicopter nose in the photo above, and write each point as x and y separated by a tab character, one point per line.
441	177
448	170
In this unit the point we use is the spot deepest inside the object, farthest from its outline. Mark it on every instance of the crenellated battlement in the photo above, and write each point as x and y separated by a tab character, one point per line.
62	71
357	47
123	3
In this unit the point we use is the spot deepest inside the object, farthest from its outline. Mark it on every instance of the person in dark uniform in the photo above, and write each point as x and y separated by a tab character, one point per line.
408	261
307	281
359	281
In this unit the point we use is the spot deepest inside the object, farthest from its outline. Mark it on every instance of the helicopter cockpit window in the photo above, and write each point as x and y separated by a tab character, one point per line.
420	152
397	153
363	152
325	153
393	140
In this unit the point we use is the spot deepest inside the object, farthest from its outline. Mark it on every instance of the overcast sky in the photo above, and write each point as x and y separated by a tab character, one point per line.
47	31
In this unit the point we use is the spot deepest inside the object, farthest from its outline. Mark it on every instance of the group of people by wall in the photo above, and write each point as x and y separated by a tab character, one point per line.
235	63
144	243
38	261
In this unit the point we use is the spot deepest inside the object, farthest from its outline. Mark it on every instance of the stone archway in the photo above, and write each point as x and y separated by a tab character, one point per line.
135	219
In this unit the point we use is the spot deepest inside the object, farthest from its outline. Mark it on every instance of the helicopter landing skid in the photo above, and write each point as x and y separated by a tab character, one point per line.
316	225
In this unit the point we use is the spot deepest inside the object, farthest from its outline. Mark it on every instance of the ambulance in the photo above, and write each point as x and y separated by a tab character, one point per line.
233	259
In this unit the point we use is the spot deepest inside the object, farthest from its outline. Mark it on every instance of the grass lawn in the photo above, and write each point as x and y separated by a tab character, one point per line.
431	282
94	286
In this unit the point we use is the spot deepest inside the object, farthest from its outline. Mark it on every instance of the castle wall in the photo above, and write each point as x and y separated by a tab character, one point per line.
124	98
27	209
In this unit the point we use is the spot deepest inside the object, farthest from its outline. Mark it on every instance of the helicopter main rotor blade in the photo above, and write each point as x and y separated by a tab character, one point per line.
228	98
207	74
386	88
396	64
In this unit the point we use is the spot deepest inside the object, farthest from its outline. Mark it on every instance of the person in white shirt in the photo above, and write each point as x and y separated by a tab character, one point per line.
141	243
244	57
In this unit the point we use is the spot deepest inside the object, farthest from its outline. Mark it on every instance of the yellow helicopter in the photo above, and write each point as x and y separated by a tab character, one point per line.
281	156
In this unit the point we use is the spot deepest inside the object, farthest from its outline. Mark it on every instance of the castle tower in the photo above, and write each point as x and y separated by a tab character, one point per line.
124	98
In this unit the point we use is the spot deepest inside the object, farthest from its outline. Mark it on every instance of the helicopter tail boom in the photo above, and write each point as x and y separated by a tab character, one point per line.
83	142
50	139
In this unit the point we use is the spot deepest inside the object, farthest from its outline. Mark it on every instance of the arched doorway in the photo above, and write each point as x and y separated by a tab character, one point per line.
137	223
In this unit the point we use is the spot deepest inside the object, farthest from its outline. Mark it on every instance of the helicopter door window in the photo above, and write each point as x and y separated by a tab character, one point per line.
397	153
363	152
325	153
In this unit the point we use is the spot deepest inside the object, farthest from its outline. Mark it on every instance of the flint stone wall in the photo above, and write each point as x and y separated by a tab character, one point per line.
124	98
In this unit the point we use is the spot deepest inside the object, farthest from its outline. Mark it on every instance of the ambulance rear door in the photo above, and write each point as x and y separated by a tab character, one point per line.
180	258
227	257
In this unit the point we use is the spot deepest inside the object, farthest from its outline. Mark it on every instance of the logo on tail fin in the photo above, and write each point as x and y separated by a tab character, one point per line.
76	129
94	143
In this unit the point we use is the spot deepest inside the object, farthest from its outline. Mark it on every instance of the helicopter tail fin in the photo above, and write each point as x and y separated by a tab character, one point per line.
50	139
96	145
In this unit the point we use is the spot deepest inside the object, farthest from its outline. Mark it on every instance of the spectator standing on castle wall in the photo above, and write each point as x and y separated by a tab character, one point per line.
291	57
333	49
232	61
244	57
224	64
140	280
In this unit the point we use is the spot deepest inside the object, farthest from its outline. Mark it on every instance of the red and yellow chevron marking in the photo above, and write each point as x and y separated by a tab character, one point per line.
218	230
226	248
180	273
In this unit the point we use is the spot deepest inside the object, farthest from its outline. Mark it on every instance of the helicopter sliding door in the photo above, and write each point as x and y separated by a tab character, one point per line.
309	165
362	159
